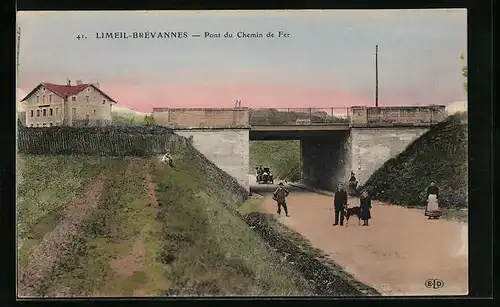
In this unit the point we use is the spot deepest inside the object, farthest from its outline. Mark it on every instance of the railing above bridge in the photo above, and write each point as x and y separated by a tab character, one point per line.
299	116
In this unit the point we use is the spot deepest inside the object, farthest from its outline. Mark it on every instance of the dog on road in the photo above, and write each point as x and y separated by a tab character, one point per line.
354	211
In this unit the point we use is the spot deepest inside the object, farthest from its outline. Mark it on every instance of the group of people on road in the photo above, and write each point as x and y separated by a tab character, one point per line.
341	196
340	205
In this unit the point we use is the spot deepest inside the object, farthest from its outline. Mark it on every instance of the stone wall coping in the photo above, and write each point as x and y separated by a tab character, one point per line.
399	107
397	125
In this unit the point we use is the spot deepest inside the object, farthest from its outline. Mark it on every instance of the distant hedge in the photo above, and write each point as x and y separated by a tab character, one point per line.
440	155
105	141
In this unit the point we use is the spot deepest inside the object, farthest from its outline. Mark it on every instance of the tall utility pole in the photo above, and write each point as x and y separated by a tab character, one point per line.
376	75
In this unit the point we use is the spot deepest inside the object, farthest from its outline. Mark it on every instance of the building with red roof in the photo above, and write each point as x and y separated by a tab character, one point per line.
51	104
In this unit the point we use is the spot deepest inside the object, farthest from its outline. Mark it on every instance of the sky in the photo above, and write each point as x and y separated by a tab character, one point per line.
327	61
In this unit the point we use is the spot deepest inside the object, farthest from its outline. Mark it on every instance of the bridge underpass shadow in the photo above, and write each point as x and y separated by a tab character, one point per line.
324	156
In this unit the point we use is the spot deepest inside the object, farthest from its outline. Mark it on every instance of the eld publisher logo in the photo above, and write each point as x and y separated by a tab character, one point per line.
434	283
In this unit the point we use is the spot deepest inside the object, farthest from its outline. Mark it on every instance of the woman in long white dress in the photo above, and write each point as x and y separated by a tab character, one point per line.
432	207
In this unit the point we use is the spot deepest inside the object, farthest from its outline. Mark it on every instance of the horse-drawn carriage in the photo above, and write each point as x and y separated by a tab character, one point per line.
265	176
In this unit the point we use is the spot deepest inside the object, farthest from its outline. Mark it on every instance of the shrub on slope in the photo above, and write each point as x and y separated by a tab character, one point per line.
440	155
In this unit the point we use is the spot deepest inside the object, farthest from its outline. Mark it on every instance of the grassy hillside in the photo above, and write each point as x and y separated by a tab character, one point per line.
123	117
283	157
440	155
148	230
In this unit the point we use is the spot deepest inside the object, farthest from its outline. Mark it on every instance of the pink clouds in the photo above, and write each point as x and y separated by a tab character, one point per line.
144	98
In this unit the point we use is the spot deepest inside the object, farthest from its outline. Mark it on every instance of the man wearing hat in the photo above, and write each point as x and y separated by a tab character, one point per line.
280	197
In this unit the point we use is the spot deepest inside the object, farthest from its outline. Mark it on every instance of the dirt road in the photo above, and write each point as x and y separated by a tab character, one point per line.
396	254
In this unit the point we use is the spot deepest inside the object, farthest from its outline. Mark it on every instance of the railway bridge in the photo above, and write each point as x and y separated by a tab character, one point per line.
334	141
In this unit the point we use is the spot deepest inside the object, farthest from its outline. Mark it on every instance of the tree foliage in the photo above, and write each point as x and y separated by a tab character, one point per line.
464	70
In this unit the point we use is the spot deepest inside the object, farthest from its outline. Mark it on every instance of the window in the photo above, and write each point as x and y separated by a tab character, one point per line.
57	111
38	125
44	124
73	112
50	111
43	89
94	112
31	112
37	113
89	89
93	98
50	98
44	112
37	99
31	125
51	124
73	98
43	98
103	101
87	98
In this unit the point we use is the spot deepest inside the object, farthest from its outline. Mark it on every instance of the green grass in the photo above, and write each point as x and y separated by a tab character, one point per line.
251	205
44	186
124	213
193	243
209	249
283	157
127	118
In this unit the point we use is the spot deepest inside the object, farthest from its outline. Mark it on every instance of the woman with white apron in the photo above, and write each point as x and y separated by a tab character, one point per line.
432	207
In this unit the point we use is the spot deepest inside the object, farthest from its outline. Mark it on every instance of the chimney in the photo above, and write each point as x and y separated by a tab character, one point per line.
69	81
78	82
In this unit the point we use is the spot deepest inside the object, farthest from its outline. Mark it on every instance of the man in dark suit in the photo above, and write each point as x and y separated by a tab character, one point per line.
339	203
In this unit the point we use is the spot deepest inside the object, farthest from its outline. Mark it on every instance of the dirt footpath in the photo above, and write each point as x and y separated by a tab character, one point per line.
396	254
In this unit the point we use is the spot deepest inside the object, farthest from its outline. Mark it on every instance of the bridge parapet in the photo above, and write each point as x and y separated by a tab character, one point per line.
202	118
401	115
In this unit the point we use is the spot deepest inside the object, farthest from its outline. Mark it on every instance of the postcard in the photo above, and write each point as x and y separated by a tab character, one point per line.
242	153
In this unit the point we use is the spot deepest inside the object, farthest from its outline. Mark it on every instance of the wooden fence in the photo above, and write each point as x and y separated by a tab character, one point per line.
103	141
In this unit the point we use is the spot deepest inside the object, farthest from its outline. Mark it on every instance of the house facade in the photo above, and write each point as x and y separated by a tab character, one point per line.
51	104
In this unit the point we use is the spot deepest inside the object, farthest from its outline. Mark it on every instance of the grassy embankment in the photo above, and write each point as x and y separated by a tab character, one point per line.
156	231
440	155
